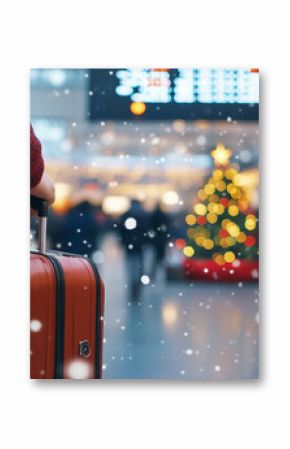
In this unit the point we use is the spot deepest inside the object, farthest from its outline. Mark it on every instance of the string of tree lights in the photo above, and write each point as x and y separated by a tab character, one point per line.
222	225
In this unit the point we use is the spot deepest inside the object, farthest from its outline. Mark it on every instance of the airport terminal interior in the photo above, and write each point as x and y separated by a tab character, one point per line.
118	162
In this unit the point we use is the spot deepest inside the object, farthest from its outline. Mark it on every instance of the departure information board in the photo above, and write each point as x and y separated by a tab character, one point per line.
159	94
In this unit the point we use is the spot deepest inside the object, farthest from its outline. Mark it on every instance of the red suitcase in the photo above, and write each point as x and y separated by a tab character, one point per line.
66	312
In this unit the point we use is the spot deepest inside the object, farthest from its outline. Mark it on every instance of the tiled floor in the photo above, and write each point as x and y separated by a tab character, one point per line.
206	331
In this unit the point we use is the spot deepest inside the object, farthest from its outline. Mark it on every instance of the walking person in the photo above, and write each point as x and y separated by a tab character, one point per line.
158	232
82	229
132	231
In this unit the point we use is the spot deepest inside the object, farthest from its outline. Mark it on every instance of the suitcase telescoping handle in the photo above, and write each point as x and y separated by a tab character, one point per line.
41	207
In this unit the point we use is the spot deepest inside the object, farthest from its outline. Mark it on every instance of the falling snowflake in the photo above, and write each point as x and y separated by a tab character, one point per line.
145	279
130	223
78	369
35	325
188	351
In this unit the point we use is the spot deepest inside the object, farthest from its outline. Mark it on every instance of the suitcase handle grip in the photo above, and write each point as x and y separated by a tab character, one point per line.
40	205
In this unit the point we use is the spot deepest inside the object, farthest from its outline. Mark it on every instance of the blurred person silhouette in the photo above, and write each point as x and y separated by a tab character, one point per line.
56	231
82	229
132	229
158	229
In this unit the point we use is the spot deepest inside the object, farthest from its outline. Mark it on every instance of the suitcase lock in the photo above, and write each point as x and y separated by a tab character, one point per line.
84	349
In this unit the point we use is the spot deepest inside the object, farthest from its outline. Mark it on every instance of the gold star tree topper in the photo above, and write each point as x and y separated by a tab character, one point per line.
221	154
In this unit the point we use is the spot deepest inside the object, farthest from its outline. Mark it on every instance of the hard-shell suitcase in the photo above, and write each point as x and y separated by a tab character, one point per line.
66	312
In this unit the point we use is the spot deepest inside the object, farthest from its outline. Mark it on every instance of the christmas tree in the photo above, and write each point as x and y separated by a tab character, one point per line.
223	226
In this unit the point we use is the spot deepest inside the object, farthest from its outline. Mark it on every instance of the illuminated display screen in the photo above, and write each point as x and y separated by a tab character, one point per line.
173	93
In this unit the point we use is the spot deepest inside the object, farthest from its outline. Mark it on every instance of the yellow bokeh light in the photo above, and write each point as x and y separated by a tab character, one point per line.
212	207
188	251
170	198
250	224
63	193
243	204
225	223
199	240
211	218
233	210
221	186
241	237
115	204
231	188
229	256
214	198
190	219
209	189
138	108
208	244
230	173
217	174
219	259
202	195
224	243
236	193
220	209
221	154
200	209
233	229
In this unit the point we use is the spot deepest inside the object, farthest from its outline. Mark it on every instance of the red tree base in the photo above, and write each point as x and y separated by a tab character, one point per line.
209	270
